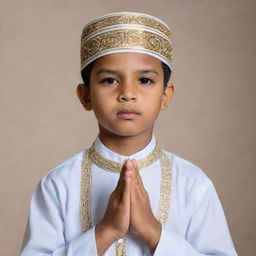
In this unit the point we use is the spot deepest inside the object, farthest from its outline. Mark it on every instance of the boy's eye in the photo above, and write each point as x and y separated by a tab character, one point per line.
109	80
145	80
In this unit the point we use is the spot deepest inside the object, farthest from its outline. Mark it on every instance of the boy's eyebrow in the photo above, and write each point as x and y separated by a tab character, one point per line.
147	71
111	71
105	70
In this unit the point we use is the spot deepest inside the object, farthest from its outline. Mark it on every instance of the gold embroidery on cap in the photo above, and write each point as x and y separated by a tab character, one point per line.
125	39
124	19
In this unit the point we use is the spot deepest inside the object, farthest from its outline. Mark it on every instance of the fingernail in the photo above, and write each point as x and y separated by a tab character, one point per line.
128	163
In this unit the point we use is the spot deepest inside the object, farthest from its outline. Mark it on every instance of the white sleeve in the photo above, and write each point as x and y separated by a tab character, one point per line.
44	234
207	232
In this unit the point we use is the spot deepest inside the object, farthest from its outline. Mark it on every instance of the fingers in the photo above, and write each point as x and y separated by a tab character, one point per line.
123	185
129	176
125	196
137	178
120	182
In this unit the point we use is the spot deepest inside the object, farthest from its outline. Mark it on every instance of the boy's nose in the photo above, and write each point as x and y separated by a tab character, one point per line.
127	93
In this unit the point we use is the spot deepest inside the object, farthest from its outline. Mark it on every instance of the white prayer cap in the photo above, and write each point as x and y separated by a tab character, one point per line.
126	32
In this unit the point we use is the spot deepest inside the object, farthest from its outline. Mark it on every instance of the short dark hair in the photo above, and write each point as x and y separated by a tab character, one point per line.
86	72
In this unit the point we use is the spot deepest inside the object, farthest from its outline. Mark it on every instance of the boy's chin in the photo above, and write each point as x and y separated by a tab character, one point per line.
125	134
125	131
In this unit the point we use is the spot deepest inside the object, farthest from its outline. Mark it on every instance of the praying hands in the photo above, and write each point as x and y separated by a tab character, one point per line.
128	208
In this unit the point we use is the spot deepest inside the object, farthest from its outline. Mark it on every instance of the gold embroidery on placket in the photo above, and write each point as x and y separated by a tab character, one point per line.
92	156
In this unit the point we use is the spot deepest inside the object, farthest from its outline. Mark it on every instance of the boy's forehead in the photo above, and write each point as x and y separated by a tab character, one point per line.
136	60
126	32
127	63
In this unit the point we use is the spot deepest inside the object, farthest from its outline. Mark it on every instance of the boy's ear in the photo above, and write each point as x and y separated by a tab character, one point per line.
167	96
84	96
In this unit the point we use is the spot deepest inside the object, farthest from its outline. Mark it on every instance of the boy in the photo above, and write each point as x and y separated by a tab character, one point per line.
124	195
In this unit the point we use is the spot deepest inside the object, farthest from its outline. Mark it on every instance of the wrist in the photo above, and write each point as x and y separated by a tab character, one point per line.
152	235
102	231
106	231
104	238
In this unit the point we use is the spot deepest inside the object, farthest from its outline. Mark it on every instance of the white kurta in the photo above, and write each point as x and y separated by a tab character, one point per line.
196	223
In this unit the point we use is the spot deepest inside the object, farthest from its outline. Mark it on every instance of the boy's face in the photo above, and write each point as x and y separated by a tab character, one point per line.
126	93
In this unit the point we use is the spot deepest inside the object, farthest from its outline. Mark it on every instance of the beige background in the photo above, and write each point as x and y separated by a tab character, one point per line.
210	122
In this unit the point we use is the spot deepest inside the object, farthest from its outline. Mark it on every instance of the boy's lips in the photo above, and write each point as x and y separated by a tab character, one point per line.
128	113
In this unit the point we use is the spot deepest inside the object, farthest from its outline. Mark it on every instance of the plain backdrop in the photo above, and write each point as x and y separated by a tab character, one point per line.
210	122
